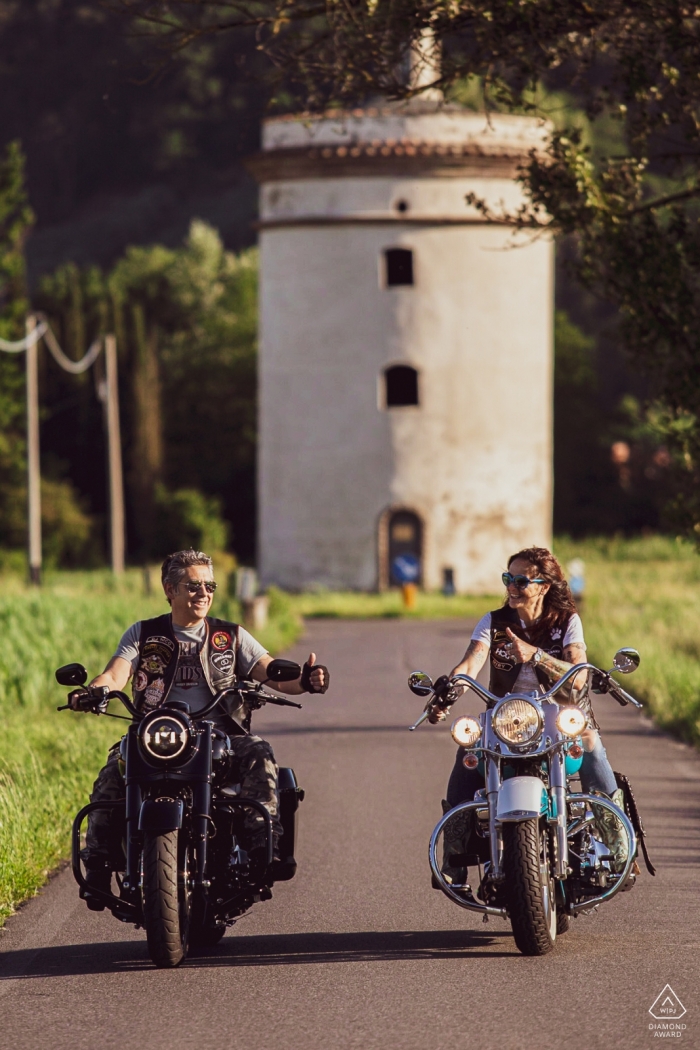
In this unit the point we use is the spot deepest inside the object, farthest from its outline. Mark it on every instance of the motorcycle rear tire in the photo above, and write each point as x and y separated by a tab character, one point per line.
165	899
563	923
530	890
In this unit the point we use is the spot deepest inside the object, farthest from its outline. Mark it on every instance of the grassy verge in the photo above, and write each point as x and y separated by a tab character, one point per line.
49	759
646	593
355	605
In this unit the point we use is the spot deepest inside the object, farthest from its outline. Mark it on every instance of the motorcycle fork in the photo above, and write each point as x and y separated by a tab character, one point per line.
134	840
201	820
493	786
557	793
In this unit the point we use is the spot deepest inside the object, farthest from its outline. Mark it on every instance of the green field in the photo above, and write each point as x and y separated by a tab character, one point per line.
644	593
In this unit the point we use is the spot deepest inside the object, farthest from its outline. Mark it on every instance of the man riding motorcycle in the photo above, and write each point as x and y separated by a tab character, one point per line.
531	641
189	656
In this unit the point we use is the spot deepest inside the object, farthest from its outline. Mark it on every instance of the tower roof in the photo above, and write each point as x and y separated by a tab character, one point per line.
422	137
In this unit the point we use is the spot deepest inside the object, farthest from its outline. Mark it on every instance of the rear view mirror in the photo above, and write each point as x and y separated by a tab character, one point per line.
420	683
282	671
71	674
626	660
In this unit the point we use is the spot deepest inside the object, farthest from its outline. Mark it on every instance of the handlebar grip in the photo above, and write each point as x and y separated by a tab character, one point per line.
622	696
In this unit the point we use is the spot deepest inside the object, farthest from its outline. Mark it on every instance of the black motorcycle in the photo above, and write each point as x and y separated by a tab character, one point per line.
176	839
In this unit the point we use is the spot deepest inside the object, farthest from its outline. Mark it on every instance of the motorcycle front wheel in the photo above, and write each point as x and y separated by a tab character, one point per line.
530	887
166	897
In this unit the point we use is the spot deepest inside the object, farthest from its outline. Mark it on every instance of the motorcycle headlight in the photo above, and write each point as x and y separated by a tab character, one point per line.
517	722
165	737
465	731
571	721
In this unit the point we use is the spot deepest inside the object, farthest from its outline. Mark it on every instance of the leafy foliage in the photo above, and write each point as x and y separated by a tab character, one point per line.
15	221
185	321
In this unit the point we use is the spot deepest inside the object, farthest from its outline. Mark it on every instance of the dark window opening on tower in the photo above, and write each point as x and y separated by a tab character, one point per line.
399	266
401	386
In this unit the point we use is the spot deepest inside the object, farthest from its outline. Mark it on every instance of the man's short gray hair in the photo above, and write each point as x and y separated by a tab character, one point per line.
175	566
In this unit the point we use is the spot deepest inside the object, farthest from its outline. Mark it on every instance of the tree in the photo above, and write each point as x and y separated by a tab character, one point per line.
185	321
16	219
634	214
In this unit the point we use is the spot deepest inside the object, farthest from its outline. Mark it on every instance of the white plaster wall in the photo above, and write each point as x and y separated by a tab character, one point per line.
372	198
474	459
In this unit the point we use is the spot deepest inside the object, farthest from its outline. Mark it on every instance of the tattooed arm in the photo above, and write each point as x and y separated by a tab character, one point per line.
554	669
473	660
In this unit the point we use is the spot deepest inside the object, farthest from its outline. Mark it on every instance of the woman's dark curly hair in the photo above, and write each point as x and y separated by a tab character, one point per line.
559	604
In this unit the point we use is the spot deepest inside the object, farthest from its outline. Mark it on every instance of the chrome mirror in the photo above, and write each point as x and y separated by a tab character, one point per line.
626	661
420	683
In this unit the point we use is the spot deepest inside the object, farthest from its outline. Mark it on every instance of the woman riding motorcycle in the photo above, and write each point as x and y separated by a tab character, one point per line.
532	640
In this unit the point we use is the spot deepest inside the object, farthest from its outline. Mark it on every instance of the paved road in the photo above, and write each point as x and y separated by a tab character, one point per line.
358	952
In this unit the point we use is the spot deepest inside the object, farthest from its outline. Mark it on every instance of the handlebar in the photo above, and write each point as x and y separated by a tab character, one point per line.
247	687
136	715
616	691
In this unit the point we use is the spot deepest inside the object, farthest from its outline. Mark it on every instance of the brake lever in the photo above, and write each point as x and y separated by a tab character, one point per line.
282	703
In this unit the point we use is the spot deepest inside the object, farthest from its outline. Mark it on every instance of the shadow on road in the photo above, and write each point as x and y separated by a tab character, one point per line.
273	950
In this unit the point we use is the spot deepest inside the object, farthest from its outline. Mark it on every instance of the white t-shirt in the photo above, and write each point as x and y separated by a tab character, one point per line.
527	680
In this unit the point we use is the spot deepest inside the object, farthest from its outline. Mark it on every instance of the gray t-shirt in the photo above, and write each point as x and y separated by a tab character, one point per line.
190	684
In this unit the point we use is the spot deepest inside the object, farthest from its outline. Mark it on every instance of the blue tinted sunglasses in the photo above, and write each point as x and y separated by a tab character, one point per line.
521	582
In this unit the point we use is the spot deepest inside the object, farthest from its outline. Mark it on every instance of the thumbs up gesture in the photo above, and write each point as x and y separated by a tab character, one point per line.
314	677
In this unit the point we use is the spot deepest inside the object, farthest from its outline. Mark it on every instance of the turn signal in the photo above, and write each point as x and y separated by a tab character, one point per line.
575	751
571	721
465	731
470	761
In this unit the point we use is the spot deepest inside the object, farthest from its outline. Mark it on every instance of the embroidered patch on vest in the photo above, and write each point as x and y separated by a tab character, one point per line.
221	640
140	681
154	693
156	654
223	661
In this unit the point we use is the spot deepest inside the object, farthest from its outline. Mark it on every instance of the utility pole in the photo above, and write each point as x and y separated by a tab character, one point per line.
114	455
33	465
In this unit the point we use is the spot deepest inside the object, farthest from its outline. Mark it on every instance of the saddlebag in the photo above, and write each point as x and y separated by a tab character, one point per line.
290	797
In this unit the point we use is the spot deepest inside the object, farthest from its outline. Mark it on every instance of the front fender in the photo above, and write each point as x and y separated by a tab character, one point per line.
521	798
161	814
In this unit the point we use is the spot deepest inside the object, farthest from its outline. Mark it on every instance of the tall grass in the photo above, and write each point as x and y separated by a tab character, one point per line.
49	759
646	593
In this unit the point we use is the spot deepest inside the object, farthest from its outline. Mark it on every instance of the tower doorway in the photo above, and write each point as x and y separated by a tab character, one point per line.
401	548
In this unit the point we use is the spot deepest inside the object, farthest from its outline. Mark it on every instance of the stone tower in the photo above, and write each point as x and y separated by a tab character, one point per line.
405	350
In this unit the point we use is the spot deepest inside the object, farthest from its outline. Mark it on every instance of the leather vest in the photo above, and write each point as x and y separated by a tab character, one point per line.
504	671
159	651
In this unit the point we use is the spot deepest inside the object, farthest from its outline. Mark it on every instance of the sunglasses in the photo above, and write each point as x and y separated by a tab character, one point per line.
521	582
194	585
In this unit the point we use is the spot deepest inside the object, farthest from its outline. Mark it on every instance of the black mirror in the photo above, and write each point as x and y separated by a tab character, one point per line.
71	674
282	671
420	683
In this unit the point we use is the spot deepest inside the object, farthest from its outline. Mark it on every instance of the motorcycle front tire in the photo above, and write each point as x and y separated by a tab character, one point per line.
166	906
530	888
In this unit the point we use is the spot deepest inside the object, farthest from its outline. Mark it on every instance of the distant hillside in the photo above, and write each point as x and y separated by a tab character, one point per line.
115	160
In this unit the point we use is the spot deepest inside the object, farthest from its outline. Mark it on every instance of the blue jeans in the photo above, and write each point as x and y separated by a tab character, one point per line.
596	775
